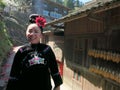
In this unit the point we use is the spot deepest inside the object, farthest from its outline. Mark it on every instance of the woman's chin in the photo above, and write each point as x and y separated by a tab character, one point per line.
34	42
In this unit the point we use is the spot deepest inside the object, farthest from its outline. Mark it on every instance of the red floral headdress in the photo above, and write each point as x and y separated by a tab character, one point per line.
40	21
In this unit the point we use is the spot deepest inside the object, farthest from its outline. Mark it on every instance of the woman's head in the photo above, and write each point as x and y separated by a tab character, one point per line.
33	33
35	29
39	20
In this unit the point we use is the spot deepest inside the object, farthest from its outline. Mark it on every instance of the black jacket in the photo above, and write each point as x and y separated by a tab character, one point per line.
33	67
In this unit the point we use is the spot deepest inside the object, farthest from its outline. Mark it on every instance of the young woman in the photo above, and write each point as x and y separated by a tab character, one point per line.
35	63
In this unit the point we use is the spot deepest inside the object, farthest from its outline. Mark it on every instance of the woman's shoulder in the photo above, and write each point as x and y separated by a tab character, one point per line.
45	47
24	47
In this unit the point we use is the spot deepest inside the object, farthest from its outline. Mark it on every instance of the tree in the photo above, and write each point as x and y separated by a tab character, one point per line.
22	2
69	3
78	4
2	5
72	4
58	1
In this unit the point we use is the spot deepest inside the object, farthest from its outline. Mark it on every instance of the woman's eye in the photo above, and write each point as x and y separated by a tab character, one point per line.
30	31
36	31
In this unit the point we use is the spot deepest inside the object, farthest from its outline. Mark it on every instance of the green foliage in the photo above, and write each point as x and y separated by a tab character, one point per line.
58	1
2	5
22	2
69	3
72	4
5	42
77	3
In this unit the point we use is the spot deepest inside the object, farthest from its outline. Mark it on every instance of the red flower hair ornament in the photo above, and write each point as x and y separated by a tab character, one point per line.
40	21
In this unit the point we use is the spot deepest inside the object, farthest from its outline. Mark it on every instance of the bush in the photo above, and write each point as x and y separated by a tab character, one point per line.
2	5
5	42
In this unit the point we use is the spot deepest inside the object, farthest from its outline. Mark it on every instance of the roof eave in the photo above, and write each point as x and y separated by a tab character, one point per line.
85	13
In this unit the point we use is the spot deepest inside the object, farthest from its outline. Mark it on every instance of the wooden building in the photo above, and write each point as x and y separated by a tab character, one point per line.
92	46
56	41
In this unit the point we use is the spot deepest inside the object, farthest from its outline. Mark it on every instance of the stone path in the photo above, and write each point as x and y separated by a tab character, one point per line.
6	67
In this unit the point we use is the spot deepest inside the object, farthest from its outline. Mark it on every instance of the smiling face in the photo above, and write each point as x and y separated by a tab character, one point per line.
33	34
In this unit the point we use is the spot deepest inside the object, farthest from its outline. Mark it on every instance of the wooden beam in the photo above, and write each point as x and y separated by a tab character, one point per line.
67	18
95	18
58	26
108	7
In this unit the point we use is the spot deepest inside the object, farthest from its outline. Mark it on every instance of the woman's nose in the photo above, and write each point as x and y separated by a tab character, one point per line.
31	33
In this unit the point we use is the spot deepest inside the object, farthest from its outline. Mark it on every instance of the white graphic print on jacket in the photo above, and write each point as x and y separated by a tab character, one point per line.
36	59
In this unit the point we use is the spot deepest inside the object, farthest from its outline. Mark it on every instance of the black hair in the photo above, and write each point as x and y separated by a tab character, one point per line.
32	19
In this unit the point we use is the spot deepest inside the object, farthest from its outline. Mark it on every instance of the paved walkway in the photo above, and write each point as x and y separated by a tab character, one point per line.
4	75
6	67
64	86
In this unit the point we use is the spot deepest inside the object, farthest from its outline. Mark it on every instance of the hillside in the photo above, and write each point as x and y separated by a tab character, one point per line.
5	42
12	29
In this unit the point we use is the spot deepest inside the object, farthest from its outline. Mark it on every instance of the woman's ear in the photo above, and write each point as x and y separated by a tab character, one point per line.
41	35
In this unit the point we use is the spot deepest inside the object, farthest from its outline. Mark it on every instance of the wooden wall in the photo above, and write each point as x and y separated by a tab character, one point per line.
100	33
83	26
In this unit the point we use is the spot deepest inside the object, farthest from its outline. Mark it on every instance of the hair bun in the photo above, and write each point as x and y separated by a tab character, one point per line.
38	19
32	18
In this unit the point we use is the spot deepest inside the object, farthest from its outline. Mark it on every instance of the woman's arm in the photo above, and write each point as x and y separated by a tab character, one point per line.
15	72
54	69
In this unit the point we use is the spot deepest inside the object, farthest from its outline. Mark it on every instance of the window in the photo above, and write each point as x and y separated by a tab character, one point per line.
76	76
78	52
44	5
56	9
45	12
55	15
65	12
